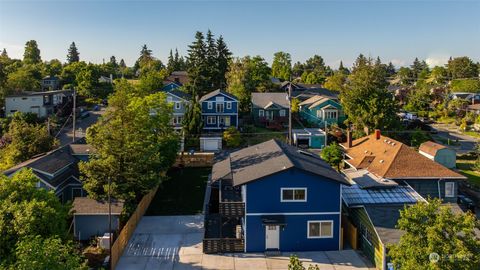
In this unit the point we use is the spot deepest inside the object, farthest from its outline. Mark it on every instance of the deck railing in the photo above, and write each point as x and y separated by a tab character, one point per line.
232	209
223	245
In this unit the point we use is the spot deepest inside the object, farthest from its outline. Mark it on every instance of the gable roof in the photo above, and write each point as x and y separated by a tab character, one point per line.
217	92
267	158
389	158
180	94
317	100
431	148
263	100
81	149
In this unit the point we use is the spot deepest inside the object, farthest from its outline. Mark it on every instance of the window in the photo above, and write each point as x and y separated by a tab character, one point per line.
177	105
261	113
449	189
282	113
77	192
177	120
220	108
211	120
210	105
227	121
320	229
331	114
229	105
294	195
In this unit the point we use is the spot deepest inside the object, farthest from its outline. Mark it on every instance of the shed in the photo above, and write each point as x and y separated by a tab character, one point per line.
309	137
439	153
211	143
90	217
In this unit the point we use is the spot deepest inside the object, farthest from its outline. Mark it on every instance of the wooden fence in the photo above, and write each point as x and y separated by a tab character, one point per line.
122	240
350	232
198	159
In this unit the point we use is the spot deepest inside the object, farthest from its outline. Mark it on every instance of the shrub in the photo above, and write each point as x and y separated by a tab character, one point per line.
232	137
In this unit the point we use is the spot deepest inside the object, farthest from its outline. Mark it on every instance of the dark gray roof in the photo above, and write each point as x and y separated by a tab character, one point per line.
180	94
87	206
384	219
310	92
263	99
270	157
216	92
54	161
41	93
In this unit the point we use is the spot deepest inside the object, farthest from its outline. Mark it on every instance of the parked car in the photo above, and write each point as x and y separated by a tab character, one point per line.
466	202
411	116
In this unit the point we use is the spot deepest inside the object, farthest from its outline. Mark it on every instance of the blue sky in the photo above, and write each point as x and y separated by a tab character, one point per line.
397	31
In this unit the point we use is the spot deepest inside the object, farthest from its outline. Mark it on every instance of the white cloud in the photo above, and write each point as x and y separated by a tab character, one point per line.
13	50
437	60
398	62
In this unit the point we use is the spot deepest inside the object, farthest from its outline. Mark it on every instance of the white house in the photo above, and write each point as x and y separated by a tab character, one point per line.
40	103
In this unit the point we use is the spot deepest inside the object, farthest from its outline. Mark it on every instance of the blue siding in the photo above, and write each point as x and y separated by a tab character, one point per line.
293	236
87	226
264	197
231	113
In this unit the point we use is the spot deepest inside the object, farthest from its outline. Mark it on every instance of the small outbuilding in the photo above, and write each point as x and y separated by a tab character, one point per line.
439	153
211	143
309	137
90	217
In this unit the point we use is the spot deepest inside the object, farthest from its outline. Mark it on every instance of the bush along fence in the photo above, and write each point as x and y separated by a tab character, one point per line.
122	240
186	159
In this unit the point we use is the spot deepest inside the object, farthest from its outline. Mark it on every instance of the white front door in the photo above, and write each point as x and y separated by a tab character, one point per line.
272	237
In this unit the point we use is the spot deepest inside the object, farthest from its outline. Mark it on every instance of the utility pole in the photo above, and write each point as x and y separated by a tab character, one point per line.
290	112
326	132
74	112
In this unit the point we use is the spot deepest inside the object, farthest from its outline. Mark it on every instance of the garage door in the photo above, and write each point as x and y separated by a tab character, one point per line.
210	145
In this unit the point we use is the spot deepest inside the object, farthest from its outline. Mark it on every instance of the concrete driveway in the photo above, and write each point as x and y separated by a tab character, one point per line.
175	242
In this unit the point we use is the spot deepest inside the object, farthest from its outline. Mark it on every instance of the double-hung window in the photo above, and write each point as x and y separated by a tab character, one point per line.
229	105
220	107
282	113
320	229
449	189
210	105
293	194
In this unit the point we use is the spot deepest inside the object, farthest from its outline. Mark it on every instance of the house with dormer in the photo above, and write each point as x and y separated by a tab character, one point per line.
386	176
219	110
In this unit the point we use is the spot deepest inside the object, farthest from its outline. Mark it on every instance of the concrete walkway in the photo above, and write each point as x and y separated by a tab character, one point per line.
175	242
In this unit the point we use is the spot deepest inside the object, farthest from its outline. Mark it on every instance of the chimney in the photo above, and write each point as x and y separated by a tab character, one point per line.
377	134
349	138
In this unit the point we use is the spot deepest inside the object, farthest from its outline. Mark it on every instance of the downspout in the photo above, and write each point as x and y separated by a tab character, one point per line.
439	190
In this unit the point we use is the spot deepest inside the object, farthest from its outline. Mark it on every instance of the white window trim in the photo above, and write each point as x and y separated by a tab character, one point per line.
320	228
282	113
214	122
447	195
210	105
229	105
177	105
261	113
293	188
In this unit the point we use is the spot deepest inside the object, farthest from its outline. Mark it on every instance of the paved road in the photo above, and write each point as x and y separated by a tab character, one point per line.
66	136
175	242
467	143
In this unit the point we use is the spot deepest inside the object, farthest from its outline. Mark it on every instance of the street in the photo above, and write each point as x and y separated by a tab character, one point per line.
449	132
66	135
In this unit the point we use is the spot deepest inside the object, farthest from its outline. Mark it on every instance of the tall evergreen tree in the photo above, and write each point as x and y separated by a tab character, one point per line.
417	67
197	68
73	54
4	53
211	59
122	63
170	62
113	61
32	53
390	69
223	57
360	62
343	69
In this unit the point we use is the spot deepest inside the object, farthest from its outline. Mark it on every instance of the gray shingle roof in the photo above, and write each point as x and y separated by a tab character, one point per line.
86	206
181	94
216	92
263	99
384	219
270	157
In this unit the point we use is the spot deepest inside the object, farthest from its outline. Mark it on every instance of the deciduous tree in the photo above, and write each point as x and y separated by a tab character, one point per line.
282	66
32	53
333	155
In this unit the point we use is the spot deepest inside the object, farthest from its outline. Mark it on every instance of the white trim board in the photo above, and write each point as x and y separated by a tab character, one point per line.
294	213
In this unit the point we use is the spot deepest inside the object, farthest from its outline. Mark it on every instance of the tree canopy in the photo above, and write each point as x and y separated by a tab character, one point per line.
282	66
73	54
32	53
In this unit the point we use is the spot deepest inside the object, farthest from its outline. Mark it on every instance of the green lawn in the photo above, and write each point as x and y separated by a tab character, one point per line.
182	194
466	168
262	135
472	133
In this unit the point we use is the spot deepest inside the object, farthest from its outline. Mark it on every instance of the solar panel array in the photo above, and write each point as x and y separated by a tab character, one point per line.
354	195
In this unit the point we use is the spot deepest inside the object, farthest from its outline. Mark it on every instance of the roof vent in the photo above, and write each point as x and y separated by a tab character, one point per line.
393	144
381	160
366	151
305	153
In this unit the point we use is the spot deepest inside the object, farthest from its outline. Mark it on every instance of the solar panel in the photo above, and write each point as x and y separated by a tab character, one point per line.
355	195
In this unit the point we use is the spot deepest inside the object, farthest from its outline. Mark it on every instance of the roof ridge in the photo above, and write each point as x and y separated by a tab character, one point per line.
394	157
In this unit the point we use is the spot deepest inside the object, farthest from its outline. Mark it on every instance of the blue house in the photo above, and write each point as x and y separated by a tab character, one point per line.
219	110
273	197
180	100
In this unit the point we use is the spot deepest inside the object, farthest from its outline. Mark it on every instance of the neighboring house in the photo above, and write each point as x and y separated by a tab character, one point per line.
105	79
273	197
474	108
178	77
219	110
321	110
473	98
49	83
41	103
439	153
386	175
180	101
270	109
309	138
171	86
90	217
58	170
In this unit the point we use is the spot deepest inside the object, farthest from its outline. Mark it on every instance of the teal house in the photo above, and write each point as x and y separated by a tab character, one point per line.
320	110
309	138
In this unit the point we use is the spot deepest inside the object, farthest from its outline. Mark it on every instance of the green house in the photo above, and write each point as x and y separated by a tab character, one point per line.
270	109
309	138
320	110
